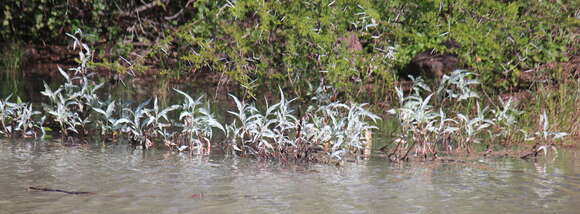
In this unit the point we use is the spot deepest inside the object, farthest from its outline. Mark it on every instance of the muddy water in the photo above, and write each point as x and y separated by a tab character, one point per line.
127	180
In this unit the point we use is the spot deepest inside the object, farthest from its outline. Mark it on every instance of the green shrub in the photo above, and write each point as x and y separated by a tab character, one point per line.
357	46
261	43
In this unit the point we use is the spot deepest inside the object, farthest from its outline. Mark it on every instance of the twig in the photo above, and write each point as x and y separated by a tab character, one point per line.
169	18
144	7
58	190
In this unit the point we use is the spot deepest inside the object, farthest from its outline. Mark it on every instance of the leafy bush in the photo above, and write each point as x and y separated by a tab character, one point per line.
110	20
257	42
356	46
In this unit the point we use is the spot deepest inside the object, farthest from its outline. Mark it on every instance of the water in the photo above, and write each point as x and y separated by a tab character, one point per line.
127	180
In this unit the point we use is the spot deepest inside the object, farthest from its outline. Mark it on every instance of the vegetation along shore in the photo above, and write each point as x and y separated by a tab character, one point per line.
313	81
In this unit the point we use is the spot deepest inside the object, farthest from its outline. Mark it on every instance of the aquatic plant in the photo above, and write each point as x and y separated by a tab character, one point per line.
427	131
471	127
85	53
197	125
335	129
157	121
417	118
345	127
457	85
505	117
107	123
18	119
545	134
24	121
424	129
6	113
251	136
328	128
72	102
134	124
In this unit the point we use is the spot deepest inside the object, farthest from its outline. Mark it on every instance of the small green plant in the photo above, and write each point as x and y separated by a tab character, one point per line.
107	121
17	119
472	127
134	125
426	130
505	120
545	135
197	125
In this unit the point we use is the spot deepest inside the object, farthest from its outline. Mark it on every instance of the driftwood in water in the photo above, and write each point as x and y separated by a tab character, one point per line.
58	190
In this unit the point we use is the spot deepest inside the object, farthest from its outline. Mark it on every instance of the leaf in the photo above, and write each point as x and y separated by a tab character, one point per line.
426	102
558	135
110	108
64	74
239	104
462	117
97	87
400	94
167	110
272	108
123	121
546	123
187	97
181	148
185	114
100	111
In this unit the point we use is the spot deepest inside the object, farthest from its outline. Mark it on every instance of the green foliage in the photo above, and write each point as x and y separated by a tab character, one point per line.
498	39
261	43
46	20
118	23
299	42
356	46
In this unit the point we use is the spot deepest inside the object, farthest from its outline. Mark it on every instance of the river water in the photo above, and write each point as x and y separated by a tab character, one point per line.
127	180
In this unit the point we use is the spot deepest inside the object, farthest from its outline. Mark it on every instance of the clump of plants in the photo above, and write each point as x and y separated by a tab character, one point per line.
452	119
17	119
448	119
334	129
70	105
193	131
326	129
197	125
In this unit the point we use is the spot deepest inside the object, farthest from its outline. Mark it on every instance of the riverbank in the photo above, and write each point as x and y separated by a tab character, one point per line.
414	130
438	89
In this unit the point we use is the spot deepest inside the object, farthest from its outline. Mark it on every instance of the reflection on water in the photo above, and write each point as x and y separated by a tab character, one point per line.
135	181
